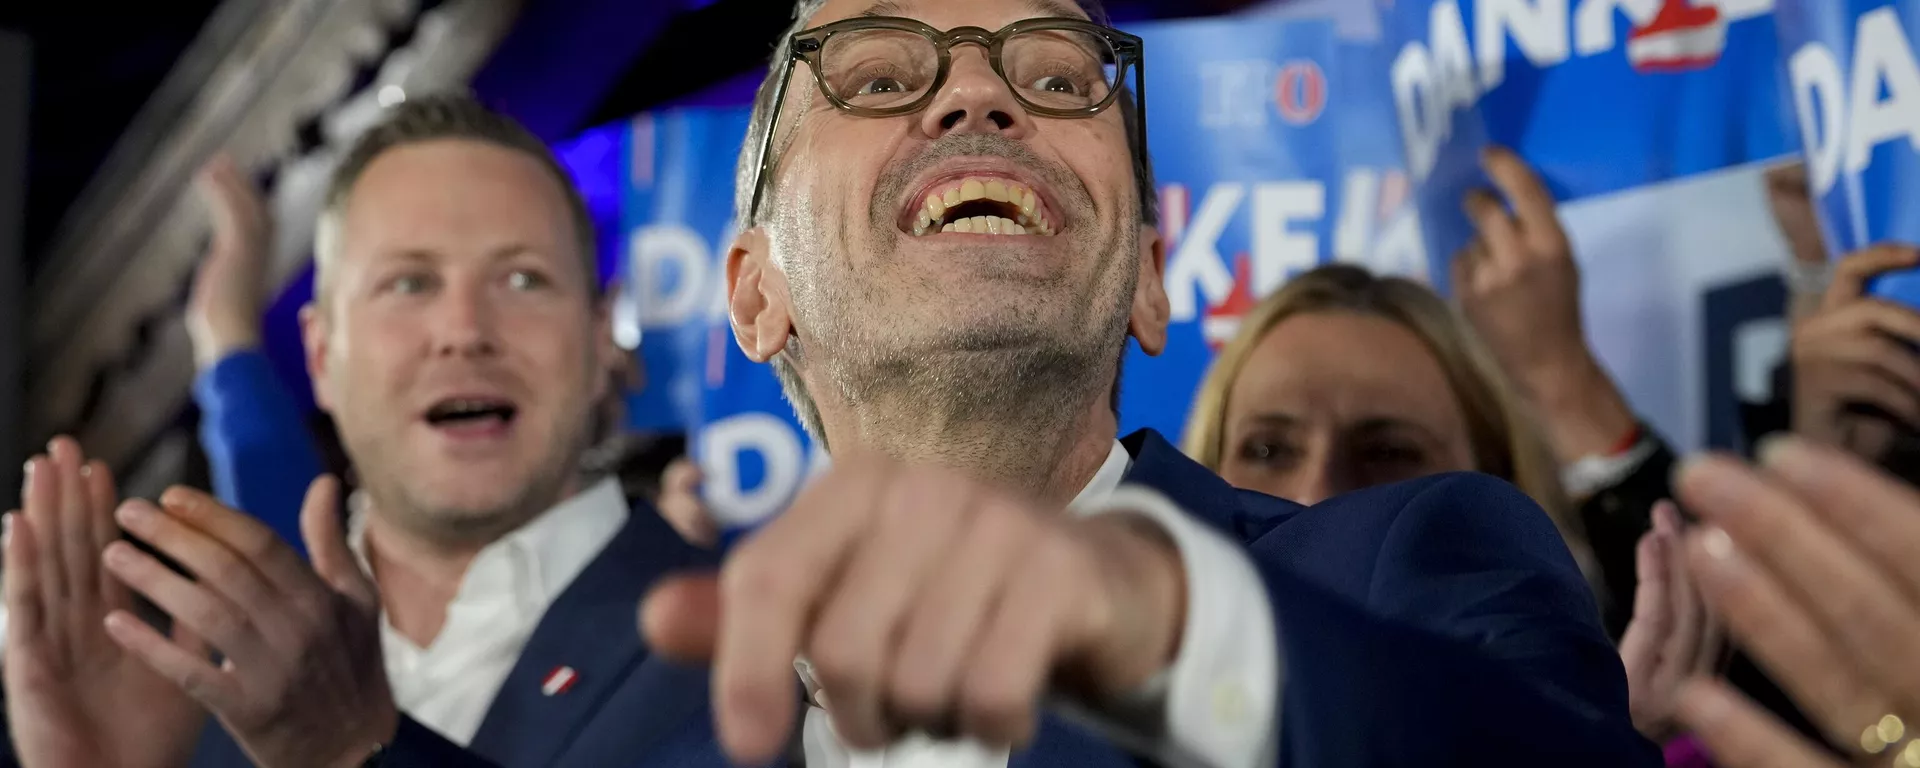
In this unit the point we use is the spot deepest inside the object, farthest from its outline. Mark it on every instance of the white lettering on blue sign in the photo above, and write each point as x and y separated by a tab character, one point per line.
1430	82
1224	90
1448	72
722	444
1538	29
1282	217
670	273
1196	261
1352	231
1400	249
1281	249
676	276
1843	114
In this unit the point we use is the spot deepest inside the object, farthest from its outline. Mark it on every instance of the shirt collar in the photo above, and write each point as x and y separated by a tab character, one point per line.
1107	480
544	555
563	541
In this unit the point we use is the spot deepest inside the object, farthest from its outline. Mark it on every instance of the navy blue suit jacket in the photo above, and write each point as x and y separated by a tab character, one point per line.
1437	622
625	708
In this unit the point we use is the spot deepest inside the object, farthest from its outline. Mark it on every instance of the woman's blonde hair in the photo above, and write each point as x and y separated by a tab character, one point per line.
1500	428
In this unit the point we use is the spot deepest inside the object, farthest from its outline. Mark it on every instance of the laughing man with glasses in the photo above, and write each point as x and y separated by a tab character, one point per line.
949	237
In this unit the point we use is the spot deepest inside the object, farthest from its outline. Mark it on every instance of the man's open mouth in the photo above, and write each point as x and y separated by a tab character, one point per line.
983	205
463	412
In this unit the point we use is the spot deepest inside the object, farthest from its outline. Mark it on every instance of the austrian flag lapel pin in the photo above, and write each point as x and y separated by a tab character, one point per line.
558	681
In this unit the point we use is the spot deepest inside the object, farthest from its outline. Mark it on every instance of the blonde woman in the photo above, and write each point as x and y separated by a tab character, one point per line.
1342	380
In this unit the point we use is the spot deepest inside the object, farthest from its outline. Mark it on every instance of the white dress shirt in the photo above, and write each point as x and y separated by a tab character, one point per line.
1219	699
449	685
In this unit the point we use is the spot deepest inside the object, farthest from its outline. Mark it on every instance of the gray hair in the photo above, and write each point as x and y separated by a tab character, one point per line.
747	171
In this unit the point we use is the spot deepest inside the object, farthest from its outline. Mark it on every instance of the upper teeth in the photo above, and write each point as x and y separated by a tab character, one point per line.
1032	218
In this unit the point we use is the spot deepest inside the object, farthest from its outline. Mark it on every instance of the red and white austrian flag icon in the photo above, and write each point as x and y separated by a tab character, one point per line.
1681	37
558	681
1222	321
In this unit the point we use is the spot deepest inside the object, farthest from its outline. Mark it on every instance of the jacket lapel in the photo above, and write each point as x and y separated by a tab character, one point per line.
1162	467
587	647
216	749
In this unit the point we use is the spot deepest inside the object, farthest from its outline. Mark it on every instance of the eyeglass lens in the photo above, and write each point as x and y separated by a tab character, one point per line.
887	68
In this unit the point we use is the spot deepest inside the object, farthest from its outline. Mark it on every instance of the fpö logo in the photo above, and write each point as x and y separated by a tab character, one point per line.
1247	94
1300	92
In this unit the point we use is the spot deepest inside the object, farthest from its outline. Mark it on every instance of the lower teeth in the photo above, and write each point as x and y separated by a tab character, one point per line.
983	225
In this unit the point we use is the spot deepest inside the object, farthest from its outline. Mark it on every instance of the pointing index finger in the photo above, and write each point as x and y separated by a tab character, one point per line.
770	588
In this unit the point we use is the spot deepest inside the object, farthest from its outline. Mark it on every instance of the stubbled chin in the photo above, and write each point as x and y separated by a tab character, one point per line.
451	482
468	502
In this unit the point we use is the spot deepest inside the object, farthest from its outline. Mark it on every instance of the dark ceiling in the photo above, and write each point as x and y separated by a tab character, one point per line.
93	70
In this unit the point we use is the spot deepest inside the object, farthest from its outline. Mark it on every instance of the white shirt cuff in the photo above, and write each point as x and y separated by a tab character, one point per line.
1220	699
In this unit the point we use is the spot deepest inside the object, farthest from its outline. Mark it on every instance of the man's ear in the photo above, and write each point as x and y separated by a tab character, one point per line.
757	300
315	336
1151	312
606	351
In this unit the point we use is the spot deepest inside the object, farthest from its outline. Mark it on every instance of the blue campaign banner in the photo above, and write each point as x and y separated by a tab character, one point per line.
1856	91
678	219
750	445
1600	95
1274	153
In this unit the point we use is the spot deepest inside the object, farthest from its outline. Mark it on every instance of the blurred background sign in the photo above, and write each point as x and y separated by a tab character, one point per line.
1600	97
1856	94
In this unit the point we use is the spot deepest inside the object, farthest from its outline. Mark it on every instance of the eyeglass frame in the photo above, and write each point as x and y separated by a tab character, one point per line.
806	45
